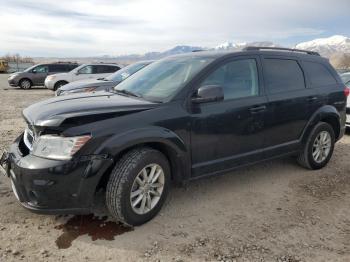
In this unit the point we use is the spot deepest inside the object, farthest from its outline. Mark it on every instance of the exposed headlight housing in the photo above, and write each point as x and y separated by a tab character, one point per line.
57	147
80	90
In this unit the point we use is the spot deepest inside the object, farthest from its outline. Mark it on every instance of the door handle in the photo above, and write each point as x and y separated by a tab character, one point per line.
257	109
312	98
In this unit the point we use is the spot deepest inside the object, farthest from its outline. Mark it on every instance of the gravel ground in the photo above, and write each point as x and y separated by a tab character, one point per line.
275	211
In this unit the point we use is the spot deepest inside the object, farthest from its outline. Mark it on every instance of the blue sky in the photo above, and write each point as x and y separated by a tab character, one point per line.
97	27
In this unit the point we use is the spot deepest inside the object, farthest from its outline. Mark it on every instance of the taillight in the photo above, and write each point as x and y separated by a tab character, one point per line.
347	91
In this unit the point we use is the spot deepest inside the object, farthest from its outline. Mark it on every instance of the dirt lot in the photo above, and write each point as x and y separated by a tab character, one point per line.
275	211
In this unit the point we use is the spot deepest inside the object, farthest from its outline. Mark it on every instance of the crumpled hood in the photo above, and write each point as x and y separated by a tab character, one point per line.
86	83
54	111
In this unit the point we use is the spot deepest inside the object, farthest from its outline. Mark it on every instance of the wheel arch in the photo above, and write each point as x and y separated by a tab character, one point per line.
161	139
55	86
327	114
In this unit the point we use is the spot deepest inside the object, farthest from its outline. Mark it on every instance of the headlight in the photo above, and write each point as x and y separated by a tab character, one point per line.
49	78
12	76
57	147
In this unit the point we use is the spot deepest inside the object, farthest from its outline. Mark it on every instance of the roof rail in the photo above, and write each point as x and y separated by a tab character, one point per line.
256	48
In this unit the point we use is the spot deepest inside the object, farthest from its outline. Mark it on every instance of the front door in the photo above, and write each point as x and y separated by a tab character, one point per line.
39	74
229	133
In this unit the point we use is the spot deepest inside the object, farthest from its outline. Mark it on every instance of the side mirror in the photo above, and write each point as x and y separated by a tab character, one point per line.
210	93
34	71
76	73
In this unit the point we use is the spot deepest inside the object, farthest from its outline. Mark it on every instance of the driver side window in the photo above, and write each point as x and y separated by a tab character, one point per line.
237	78
86	70
41	69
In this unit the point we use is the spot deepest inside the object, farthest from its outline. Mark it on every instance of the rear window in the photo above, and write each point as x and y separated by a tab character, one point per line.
283	75
318	74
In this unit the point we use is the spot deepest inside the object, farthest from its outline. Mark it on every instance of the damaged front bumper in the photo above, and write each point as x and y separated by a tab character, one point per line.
53	186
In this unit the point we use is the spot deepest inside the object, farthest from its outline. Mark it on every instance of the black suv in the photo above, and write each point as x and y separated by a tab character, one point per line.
178	119
35	75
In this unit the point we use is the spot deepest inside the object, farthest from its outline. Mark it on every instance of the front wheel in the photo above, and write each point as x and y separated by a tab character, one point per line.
138	186
319	147
25	84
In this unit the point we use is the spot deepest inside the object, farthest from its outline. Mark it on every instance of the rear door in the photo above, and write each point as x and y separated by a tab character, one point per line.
290	103
229	133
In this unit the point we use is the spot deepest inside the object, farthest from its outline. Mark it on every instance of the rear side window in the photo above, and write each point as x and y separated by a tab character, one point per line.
318	74
283	75
57	68
103	69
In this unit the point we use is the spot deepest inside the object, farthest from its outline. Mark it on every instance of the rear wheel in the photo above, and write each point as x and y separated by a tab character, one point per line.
25	84
59	84
138	186
319	147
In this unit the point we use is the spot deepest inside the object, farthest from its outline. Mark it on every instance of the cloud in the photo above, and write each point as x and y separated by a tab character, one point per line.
92	27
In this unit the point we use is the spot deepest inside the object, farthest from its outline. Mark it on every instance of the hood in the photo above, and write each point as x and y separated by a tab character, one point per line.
86	83
54	111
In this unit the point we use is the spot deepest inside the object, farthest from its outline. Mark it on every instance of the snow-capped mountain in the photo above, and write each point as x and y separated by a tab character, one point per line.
237	46
327	46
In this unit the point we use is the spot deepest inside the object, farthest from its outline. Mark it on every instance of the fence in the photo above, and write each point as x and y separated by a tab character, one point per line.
15	67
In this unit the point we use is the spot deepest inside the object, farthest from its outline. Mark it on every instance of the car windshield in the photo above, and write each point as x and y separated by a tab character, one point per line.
30	68
125	72
161	80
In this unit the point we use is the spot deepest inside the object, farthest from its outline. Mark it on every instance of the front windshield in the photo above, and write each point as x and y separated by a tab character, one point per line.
161	80
125	72
30	68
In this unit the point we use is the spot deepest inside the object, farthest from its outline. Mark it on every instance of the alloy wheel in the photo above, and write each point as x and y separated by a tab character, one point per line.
147	189
322	146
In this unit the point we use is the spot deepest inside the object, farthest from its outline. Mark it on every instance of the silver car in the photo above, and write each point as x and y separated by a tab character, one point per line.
90	85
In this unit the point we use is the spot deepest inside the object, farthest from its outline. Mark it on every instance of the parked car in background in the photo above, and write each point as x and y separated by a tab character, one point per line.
346	78
91	85
35	75
179	119
3	66
85	71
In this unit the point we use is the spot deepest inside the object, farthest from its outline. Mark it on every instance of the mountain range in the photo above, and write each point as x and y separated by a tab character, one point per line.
337	44
325	46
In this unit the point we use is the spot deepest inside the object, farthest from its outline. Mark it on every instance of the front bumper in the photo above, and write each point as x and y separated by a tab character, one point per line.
49	84
53	186
12	82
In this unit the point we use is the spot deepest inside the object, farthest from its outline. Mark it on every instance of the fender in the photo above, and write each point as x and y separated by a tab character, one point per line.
323	112
177	150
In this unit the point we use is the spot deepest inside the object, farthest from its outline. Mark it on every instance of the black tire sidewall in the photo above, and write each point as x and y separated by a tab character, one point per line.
128	214
317	130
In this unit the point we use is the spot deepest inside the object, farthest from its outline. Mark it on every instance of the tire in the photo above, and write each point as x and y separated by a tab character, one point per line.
25	84
123	183
59	84
309	158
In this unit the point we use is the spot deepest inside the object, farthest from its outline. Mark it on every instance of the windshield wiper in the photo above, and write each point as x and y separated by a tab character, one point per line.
128	93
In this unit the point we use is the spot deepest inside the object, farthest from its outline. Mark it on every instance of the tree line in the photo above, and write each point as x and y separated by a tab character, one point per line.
17	58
